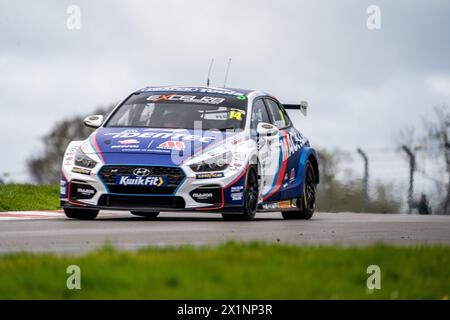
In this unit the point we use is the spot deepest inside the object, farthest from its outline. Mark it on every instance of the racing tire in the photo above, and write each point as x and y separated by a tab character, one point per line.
309	197
148	215
81	214
250	198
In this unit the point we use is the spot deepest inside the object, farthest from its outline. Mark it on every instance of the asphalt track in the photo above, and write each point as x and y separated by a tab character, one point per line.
44	231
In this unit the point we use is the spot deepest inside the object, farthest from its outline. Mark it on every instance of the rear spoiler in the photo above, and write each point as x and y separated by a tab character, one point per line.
303	107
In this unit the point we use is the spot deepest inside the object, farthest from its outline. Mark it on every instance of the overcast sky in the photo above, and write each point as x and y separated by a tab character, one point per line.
362	85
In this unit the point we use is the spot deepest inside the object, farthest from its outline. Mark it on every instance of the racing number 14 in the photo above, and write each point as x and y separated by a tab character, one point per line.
235	115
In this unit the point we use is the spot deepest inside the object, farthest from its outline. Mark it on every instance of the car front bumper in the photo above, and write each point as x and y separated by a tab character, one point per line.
183	192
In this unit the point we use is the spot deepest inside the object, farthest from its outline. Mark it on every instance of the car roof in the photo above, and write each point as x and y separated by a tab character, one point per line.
201	89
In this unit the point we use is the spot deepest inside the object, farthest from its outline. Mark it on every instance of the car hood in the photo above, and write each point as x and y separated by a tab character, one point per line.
166	146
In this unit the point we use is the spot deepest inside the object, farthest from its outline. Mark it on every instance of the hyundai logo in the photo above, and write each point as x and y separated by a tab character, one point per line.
141	172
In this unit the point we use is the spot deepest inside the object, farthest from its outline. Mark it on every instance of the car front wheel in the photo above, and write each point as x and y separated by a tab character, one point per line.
250	198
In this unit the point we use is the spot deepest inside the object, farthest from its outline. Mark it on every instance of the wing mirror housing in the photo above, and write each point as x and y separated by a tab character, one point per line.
266	129
94	121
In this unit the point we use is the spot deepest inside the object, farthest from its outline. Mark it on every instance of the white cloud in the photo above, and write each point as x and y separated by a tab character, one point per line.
440	84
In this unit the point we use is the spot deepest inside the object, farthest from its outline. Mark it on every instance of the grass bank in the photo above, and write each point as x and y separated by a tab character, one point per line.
232	271
23	197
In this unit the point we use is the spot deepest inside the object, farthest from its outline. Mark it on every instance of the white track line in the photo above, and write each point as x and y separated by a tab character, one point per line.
24	215
43	214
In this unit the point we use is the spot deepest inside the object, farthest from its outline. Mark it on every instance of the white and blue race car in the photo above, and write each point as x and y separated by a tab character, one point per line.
189	148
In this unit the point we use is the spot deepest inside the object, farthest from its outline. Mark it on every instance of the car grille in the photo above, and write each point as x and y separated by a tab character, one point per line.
173	175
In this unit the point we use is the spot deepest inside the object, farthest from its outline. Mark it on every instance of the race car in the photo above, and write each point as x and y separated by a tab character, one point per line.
192	148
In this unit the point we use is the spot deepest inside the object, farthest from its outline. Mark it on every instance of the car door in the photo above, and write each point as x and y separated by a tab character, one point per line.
267	149
271	192
291	142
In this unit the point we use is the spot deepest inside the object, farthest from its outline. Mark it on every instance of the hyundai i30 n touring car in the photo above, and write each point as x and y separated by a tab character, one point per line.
204	149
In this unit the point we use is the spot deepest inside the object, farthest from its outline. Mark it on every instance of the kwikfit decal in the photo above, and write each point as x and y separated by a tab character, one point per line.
140	181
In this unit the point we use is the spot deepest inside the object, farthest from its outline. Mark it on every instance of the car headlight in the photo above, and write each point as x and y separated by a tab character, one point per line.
217	163
82	160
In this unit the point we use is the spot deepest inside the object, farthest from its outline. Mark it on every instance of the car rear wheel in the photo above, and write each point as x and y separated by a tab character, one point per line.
81	214
250	198
308	201
148	215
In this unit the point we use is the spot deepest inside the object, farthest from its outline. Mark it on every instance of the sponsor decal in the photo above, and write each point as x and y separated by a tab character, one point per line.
237	188
63	187
81	171
172	135
85	191
69	155
267	126
185	98
270	206
68	160
284	204
292	176
197	89
202	195
295	142
209	175
238	161
216	116
236	196
128	141
140	181
172	145
130	146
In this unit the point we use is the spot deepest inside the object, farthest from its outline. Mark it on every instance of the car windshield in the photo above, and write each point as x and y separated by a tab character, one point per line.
179	110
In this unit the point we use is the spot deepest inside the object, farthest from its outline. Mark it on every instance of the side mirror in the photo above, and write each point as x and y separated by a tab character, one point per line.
94	121
266	129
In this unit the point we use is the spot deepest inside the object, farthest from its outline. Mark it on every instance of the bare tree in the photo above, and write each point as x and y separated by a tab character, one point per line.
46	167
437	144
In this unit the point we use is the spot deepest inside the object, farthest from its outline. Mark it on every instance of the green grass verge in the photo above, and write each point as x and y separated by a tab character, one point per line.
17	197
231	271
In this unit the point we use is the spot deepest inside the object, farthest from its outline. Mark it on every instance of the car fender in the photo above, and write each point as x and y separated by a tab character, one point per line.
307	153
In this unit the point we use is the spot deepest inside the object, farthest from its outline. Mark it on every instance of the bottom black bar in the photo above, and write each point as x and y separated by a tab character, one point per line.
227	309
